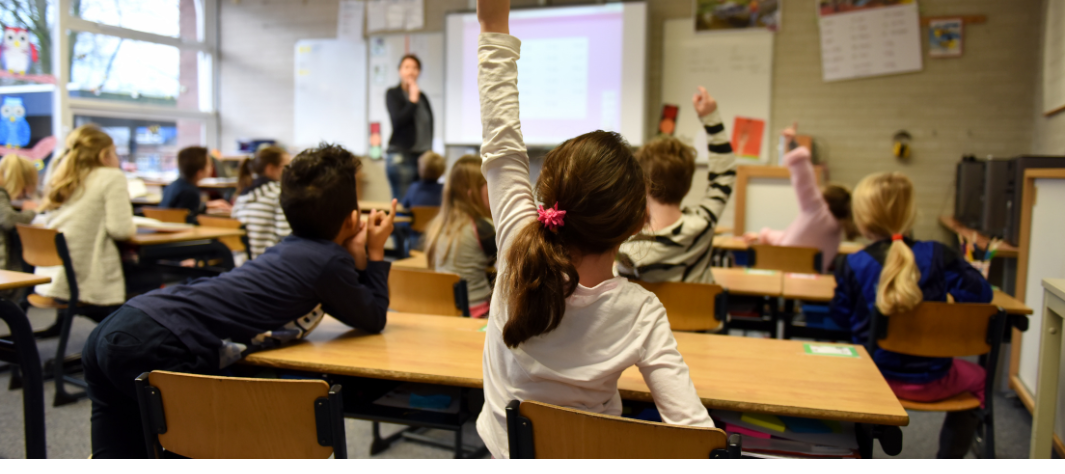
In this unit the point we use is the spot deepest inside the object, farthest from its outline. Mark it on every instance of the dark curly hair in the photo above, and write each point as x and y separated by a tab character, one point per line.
318	191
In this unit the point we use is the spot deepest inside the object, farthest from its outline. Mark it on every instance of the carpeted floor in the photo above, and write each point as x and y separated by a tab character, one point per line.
68	426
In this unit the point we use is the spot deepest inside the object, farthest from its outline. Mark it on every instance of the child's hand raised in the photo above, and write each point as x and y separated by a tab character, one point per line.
494	16
790	132
378	228
704	104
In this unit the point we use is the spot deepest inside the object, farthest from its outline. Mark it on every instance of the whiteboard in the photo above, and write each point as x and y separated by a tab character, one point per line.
771	203
736	67
331	94
383	74
1054	57
1048	262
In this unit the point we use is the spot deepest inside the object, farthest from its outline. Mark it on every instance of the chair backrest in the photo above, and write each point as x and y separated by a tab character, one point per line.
206	417
421	216
785	259
175	216
234	243
691	306
539	430
38	246
935	329
427	292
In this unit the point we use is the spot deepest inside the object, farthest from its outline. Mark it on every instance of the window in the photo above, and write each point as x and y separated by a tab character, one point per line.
173	18
148	148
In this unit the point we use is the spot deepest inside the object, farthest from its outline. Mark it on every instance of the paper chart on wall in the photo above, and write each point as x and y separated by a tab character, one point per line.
395	15
350	19
863	40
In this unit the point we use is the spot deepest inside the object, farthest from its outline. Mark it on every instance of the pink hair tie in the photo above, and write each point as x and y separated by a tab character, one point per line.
552	218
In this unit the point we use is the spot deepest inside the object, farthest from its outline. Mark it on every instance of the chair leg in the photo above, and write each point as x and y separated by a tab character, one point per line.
16	378
62	397
459	451
989	434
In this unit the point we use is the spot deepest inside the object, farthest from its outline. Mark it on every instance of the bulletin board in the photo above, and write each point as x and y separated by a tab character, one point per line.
386	51
735	66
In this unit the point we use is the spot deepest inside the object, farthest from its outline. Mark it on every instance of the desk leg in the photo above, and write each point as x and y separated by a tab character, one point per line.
1047	383
890	439
32	383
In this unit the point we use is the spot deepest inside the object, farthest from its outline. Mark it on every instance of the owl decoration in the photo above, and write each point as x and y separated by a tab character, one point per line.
15	131
18	53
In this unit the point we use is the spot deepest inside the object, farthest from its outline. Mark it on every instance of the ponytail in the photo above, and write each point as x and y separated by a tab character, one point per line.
244	176
884	207
540	277
898	291
597	196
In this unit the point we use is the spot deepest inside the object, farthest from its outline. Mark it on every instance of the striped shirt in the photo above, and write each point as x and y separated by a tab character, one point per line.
681	252
259	209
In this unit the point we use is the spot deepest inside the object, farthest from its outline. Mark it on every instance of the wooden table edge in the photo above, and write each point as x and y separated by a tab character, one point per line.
400	376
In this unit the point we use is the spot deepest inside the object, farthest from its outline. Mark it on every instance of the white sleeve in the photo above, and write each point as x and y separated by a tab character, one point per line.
118	212
506	160
666	374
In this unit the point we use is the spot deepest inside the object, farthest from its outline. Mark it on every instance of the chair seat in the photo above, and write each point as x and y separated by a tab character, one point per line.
44	302
960	402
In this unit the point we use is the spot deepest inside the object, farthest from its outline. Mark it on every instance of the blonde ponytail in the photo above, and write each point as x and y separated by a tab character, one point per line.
84	146
18	176
884	207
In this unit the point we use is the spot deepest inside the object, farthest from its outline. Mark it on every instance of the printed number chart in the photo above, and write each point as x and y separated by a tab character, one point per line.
869	40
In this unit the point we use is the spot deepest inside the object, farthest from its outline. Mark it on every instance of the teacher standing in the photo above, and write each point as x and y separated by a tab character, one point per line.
412	126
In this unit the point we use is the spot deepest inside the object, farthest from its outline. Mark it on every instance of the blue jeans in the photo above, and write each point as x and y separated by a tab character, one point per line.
402	169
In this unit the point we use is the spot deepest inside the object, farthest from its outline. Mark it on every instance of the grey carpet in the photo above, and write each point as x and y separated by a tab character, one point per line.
67	427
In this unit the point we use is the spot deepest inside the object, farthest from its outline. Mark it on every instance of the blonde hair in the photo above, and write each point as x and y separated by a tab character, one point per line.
883	207
462	201
82	155
17	176
431	166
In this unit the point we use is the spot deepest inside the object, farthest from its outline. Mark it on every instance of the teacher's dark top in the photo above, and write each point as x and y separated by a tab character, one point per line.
404	114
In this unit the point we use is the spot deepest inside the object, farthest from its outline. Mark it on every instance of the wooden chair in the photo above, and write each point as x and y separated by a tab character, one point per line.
175	216
204	417
692	306
421	216
427	292
236	244
936	329
48	248
785	259
539	430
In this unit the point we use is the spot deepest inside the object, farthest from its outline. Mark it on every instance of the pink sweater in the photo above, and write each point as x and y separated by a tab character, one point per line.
815	226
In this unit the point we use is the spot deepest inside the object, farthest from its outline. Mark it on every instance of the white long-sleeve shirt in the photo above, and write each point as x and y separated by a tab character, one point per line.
605	329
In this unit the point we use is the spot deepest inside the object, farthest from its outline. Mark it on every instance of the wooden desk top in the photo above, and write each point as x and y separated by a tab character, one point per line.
217	183
195	233
147	200
418	261
1005	250
366	206
742	281
822	289
731	242
10	280
732	373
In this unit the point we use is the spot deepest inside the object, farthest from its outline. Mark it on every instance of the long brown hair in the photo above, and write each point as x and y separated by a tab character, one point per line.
883	207
84	146
600	185
462	202
838	198
266	155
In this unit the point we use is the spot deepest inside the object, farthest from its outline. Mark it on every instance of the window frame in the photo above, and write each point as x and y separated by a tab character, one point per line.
65	107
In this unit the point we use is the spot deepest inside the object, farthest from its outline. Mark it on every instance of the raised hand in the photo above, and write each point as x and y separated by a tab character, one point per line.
790	132
494	16
704	104
378	228
356	246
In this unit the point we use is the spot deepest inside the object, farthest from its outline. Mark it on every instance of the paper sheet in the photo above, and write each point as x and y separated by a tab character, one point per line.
349	19
870	40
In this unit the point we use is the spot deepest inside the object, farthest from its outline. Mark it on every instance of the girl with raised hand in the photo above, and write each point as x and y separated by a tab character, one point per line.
562	328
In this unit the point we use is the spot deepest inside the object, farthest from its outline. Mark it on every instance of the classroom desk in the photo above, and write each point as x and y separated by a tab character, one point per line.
217	183
743	281
729	373
366	206
147	200
731	242
417	260
195	233
22	350
1005	250
821	288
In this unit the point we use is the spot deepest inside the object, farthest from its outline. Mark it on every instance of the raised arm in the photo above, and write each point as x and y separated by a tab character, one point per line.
506	161
722	165
804	180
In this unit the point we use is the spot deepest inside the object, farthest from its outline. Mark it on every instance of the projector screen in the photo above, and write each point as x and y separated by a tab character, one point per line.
581	69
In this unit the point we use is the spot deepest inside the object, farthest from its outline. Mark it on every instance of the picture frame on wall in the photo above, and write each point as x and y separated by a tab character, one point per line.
718	15
945	37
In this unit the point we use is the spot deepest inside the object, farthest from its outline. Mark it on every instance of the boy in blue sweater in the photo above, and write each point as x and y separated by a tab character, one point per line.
332	263
194	165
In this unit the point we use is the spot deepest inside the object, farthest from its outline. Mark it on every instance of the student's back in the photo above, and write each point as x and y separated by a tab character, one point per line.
88	201
427	191
258	205
562	327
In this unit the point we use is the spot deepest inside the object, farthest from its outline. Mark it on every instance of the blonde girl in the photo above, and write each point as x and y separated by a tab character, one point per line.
87	199
562	327
18	182
896	273
461	238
